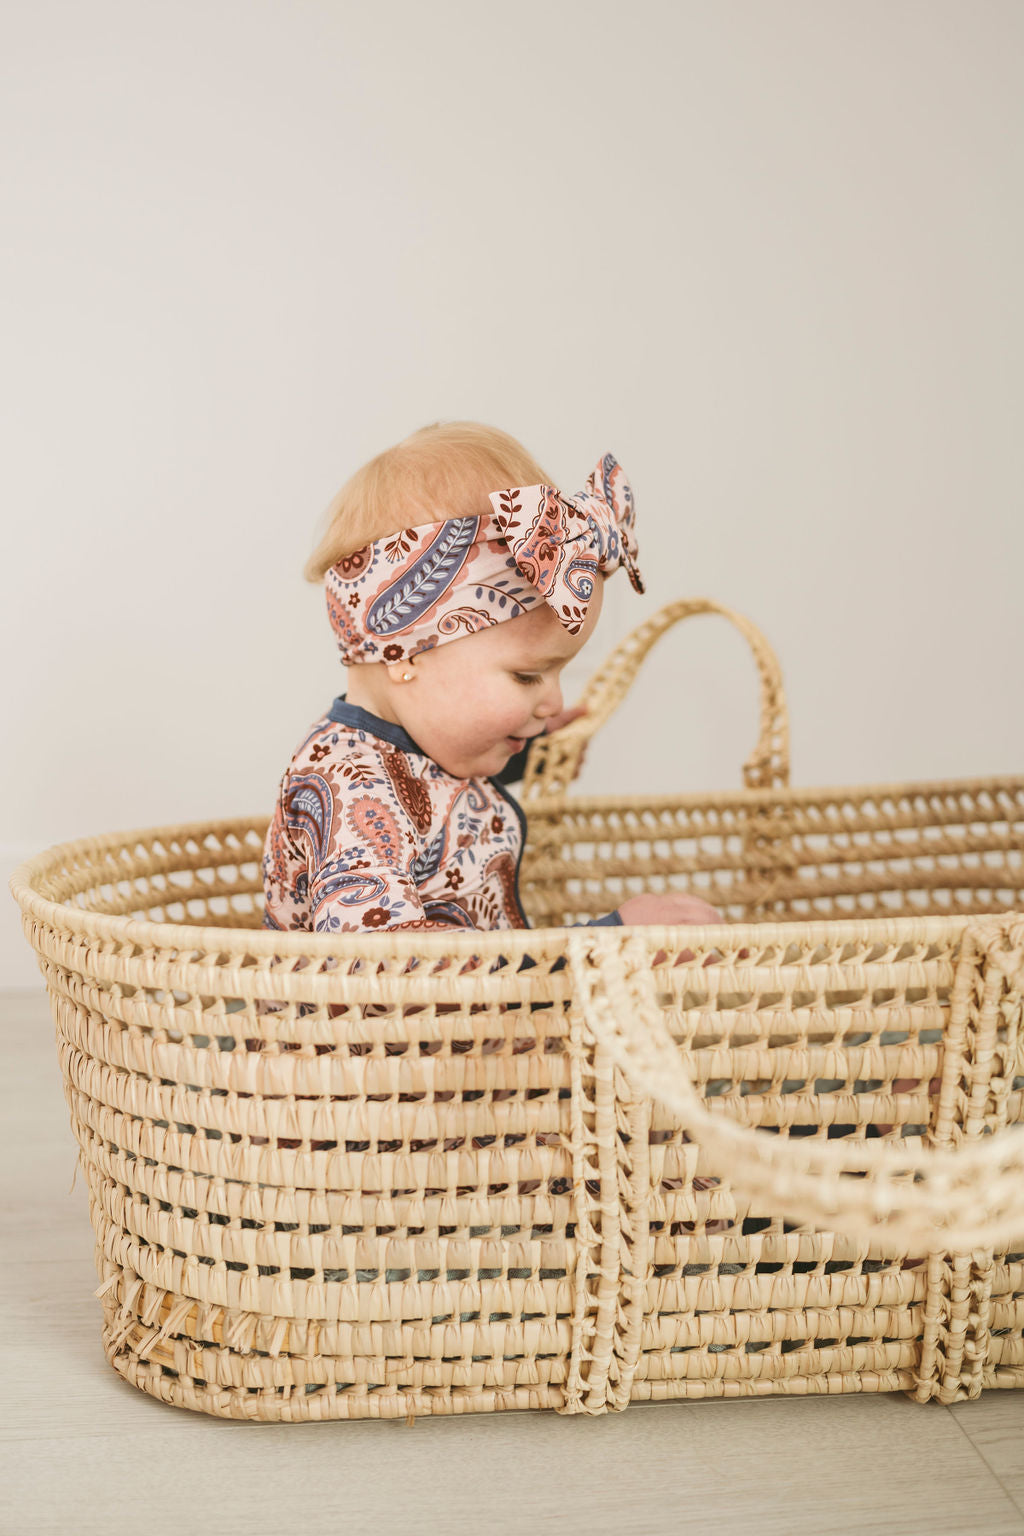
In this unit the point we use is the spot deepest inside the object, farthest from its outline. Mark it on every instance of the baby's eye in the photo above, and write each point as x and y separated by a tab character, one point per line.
528	678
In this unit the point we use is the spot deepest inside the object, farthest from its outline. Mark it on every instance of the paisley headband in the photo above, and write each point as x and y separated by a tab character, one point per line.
410	591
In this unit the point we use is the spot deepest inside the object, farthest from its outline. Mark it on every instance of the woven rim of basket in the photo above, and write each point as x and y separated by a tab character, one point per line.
185	940
89	852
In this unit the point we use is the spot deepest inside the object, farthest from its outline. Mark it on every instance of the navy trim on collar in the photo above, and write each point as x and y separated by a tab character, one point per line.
343	713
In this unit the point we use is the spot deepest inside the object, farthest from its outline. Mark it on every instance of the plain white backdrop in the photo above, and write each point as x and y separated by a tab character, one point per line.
766	252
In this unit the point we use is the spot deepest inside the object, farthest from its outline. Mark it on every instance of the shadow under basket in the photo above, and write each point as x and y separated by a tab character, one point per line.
345	1175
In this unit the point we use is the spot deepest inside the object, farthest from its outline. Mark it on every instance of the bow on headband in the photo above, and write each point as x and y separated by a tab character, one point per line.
560	543
416	589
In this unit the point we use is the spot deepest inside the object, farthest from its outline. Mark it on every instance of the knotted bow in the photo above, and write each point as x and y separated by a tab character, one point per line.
559	543
412	590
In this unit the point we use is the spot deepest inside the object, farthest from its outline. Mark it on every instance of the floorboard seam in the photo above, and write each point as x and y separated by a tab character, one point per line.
976	1447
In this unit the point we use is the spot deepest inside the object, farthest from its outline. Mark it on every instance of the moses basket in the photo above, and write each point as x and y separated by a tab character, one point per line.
396	1174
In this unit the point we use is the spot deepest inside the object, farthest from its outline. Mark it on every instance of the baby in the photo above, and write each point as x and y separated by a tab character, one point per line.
460	583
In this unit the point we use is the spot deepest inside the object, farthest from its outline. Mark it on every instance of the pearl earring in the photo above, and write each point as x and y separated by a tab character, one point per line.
406	677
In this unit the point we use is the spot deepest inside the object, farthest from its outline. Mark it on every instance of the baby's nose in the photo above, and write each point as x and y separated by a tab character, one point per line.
551	704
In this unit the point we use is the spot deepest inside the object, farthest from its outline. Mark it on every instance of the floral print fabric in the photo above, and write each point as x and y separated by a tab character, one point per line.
369	833
424	586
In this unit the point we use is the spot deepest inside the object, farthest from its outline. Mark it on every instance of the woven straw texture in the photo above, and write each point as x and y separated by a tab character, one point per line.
384	1175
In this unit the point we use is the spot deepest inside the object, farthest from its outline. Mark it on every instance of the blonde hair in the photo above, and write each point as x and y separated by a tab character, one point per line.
447	469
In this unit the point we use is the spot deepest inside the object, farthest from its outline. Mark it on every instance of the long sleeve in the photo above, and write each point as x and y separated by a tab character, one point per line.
361	851
370	834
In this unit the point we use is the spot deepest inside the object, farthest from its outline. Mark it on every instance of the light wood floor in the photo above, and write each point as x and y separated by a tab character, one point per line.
83	1452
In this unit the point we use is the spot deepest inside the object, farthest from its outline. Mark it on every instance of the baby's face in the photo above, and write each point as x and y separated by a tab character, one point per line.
473	702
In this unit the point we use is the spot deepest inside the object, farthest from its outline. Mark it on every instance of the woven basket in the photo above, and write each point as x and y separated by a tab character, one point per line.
355	1176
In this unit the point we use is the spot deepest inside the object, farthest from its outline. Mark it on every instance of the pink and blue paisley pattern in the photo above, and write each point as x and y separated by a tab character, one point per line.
369	833
424	586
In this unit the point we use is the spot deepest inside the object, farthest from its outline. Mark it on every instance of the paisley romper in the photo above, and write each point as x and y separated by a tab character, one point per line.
368	832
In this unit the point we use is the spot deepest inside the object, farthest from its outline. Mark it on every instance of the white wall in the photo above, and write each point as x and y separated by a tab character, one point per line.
768	253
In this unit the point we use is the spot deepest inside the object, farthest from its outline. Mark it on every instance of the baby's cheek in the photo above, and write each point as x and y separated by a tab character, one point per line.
496	706
513	719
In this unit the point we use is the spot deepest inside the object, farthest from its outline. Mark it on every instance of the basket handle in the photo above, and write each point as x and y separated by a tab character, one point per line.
944	1200
554	760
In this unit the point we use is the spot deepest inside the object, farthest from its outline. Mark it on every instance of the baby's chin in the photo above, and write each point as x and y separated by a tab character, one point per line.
489	763
479	765
482	762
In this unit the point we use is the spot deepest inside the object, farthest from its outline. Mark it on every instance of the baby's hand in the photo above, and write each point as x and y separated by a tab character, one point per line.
669	908
565	718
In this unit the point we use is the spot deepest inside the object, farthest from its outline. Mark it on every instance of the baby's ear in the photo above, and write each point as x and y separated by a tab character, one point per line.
401	671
